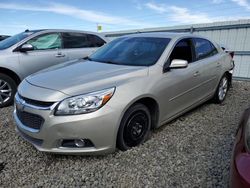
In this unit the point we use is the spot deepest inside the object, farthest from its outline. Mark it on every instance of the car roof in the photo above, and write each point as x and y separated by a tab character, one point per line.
44	31
162	35
60	30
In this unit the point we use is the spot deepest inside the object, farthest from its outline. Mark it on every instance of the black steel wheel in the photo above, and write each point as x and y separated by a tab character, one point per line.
134	128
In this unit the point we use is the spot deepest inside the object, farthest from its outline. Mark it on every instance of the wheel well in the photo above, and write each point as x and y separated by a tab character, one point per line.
153	107
229	75
11	74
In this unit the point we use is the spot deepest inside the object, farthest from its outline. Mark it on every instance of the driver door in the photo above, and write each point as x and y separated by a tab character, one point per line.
47	52
179	85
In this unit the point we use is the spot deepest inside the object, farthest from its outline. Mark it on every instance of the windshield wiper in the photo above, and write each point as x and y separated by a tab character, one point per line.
101	61
112	62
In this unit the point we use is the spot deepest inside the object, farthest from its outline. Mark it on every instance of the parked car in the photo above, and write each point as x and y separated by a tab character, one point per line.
240	163
118	94
2	37
31	51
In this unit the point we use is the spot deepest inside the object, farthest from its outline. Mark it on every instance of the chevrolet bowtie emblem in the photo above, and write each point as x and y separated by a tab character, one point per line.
21	105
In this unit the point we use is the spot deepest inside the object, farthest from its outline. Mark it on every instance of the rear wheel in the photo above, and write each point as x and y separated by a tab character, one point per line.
8	89
222	89
134	128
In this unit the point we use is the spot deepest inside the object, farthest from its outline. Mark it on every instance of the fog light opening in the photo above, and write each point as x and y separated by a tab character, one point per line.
80	143
77	143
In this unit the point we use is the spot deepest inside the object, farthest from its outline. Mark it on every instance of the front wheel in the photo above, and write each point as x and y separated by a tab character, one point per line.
222	89
8	89
134	128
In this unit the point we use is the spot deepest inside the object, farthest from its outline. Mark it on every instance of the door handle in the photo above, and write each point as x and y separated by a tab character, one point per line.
60	55
197	73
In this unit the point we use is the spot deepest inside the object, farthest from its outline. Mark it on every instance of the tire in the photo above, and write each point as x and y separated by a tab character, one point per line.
222	89
134	128
8	88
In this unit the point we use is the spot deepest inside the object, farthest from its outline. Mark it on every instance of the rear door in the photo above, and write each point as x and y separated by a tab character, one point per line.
47	52
209	62
80	45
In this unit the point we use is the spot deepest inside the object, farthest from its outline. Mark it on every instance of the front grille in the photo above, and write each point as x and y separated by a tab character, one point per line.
30	120
35	102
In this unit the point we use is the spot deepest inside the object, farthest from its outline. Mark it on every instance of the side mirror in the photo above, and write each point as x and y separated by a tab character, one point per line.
178	63
26	47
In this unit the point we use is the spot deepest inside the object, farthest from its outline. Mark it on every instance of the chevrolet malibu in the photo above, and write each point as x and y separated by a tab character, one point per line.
115	97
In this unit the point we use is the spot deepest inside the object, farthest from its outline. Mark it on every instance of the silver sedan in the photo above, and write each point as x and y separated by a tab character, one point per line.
115	97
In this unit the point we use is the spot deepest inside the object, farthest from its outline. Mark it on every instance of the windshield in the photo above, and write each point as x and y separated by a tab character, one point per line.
13	40
135	51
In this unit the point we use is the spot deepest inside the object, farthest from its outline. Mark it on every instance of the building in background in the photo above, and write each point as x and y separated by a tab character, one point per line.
234	35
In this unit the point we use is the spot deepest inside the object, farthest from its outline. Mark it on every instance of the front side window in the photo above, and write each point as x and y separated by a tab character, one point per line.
75	40
135	51
47	41
183	51
204	48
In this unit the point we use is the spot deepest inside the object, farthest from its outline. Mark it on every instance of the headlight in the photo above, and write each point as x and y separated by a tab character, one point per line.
247	131
86	103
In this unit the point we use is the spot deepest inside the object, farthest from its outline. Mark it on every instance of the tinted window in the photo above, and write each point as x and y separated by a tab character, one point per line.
182	50
204	48
47	41
137	51
75	40
96	41
14	39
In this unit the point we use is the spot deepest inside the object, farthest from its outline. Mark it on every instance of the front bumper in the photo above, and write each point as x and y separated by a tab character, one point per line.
99	127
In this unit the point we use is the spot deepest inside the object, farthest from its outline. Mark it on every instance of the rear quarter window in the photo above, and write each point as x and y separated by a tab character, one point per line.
95	41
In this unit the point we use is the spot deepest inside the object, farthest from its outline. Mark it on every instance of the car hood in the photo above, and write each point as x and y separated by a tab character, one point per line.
79	77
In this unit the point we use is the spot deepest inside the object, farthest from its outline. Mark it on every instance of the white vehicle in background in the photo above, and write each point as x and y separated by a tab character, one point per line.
31	51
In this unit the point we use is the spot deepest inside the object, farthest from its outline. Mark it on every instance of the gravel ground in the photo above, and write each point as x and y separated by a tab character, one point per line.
192	151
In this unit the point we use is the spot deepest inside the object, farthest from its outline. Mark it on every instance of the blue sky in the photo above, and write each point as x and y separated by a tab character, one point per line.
113	15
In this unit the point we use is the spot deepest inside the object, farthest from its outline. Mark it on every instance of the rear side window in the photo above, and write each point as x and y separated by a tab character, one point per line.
46	41
95	41
204	48
75	40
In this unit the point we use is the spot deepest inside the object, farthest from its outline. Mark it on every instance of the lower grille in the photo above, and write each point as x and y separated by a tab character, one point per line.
35	141
30	120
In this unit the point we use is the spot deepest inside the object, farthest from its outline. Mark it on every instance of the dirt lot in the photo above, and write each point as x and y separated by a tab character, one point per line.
192	151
